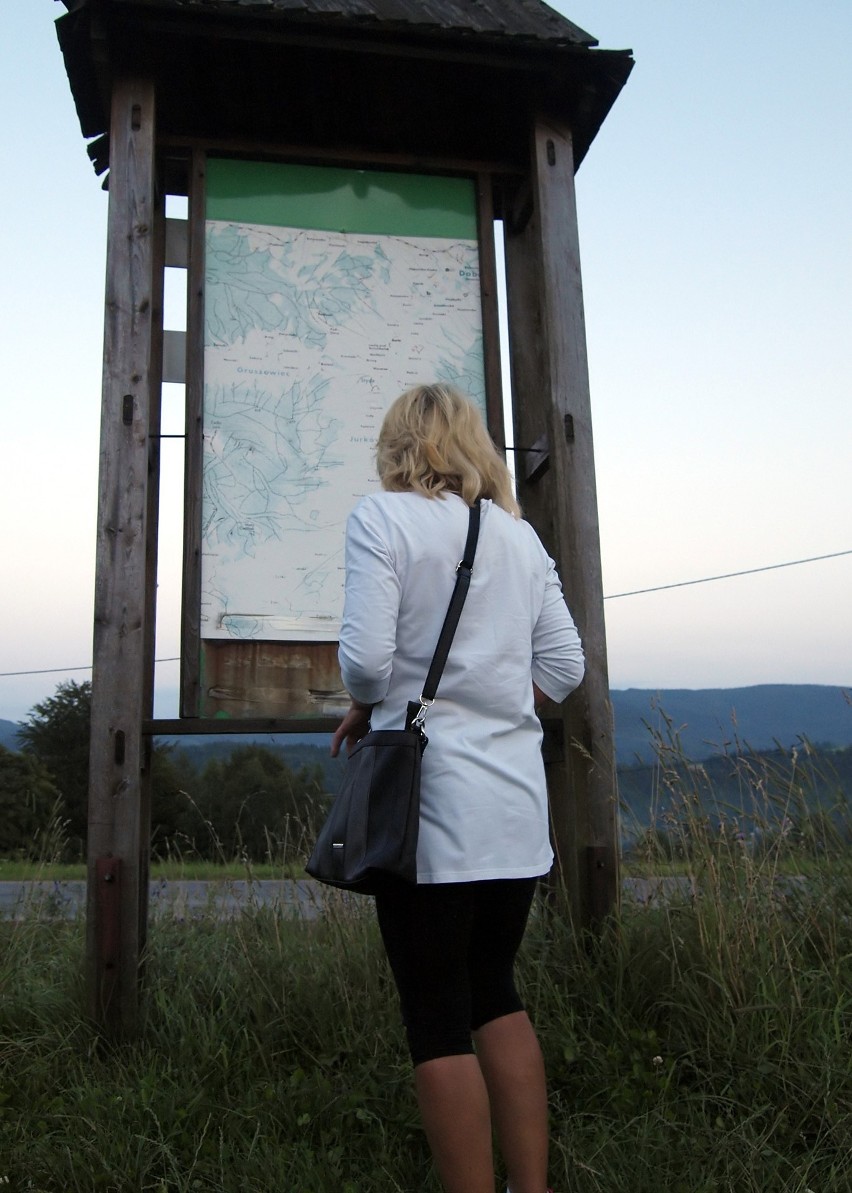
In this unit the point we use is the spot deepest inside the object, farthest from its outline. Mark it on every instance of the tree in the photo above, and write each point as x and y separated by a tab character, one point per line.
29	801
174	787
255	806
57	734
250	803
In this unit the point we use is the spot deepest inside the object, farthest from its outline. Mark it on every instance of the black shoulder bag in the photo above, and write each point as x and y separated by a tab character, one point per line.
374	822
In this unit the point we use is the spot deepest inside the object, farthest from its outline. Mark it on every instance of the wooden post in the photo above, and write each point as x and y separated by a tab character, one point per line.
123	640
552	409
490	316
152	532
190	660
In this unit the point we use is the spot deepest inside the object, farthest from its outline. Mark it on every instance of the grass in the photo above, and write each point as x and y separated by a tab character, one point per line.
633	866
699	1046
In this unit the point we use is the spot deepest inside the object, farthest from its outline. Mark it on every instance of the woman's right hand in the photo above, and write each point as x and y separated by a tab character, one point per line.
352	728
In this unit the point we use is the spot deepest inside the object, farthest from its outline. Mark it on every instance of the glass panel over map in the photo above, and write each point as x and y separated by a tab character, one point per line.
328	292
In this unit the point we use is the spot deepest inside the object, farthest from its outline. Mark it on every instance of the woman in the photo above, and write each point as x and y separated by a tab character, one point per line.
451	940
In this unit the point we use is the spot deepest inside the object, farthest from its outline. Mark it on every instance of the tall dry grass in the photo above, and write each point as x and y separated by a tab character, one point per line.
701	1044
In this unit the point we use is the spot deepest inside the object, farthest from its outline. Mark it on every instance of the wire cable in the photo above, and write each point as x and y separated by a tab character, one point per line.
57	670
614	596
771	567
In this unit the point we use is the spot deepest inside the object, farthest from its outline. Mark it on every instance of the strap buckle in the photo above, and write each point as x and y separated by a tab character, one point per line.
420	716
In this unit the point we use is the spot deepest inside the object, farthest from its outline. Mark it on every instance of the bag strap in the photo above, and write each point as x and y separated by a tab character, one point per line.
451	620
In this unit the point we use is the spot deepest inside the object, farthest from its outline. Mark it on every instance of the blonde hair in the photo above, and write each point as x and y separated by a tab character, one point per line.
433	441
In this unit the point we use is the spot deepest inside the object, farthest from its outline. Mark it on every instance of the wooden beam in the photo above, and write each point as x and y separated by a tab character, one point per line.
174	356
155	378
123	638
355	155
552	406
190	663
224	726
490	316
177	251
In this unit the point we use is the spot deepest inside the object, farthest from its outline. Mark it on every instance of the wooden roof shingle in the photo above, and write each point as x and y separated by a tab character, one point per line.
520	20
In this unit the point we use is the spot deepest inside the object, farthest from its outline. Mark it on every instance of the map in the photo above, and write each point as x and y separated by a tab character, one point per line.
309	337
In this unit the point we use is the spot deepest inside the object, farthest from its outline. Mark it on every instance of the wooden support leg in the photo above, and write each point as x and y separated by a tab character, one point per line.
121	687
552	409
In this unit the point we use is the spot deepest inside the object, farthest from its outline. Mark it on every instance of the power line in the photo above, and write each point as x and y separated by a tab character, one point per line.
771	567
58	670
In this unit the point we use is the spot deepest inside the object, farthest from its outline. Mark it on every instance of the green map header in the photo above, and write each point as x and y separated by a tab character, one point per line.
332	199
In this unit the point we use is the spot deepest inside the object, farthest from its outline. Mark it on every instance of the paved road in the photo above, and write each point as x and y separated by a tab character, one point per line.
185	899
229	898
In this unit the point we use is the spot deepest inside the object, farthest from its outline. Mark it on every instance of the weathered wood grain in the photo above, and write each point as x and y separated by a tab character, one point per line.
152	538
123	633
551	399
271	679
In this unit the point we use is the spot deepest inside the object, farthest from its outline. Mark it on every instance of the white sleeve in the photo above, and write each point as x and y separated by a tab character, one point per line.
557	663
370	610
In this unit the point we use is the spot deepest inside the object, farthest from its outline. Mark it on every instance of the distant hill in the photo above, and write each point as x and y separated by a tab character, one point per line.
706	718
9	735
759	791
760	717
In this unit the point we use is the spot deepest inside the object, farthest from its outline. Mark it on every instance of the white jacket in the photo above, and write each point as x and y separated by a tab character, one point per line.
483	794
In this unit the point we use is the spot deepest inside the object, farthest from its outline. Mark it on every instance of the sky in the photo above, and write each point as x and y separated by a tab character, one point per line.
717	267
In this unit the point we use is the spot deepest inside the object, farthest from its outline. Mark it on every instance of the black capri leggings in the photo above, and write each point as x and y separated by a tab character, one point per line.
452	949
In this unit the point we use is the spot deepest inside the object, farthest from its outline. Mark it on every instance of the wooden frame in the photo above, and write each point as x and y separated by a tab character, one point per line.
279	677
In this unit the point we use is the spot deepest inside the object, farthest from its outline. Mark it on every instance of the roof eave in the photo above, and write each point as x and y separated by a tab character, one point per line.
574	80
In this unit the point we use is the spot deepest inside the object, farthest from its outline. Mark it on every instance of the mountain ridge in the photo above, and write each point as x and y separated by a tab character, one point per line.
710	720
706	721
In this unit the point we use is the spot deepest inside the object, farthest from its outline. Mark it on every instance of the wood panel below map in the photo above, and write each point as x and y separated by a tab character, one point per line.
270	679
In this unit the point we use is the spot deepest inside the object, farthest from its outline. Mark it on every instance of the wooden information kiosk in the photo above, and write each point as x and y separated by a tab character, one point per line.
344	165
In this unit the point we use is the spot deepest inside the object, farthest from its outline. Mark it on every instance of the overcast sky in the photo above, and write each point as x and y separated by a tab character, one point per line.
717	261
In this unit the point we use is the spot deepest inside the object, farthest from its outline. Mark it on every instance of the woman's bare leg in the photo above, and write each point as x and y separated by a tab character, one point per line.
512	1065
454	1107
